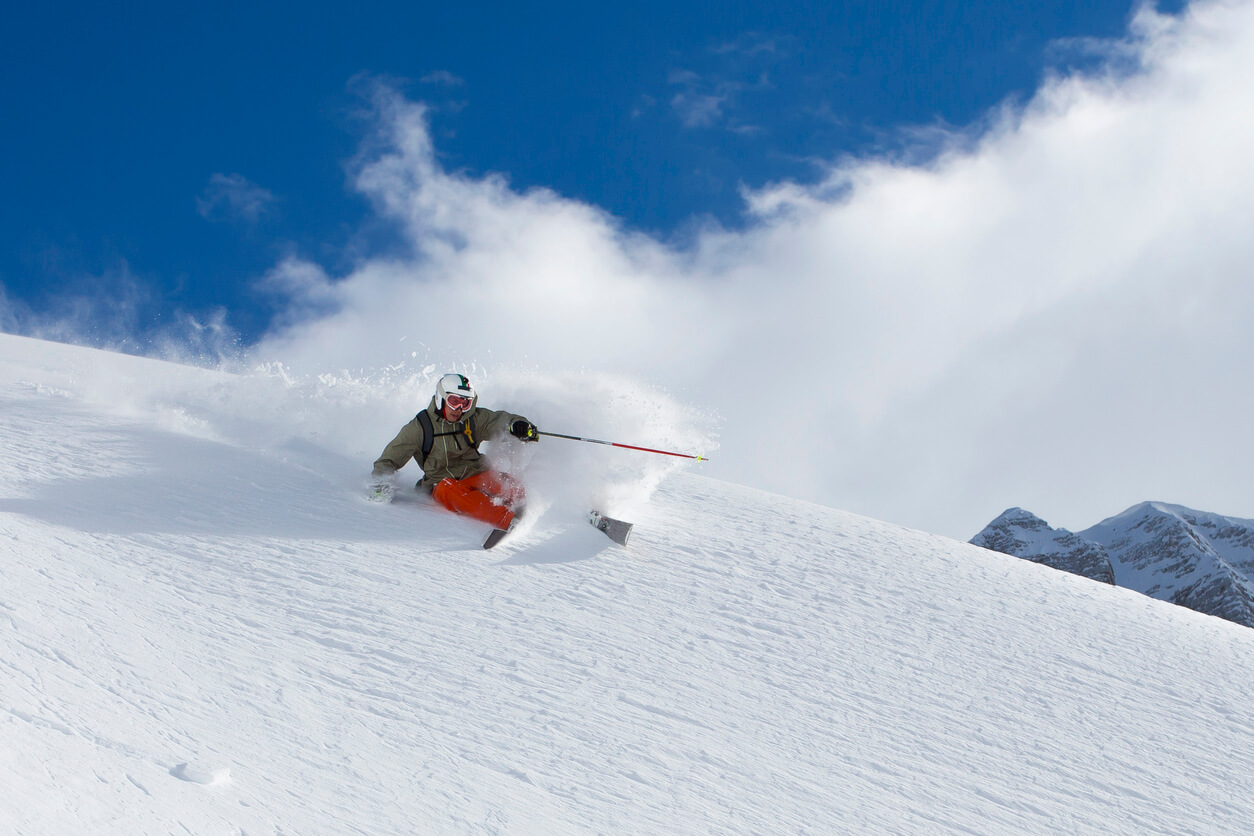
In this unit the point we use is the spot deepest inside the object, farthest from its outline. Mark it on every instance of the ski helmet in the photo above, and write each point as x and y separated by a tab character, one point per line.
455	384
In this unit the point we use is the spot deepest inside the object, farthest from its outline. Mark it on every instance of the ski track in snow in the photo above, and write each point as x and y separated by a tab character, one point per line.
198	636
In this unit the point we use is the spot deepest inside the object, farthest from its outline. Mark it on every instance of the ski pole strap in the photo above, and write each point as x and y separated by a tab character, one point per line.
624	446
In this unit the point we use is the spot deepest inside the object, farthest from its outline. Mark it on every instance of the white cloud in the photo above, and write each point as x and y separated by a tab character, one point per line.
1055	313
443	78
750	44
699	110
705	102
735	70
233	196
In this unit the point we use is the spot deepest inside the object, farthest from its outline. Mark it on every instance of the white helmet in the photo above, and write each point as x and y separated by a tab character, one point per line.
455	384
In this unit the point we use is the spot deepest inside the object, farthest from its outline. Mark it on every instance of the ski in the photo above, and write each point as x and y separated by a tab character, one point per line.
494	537
616	530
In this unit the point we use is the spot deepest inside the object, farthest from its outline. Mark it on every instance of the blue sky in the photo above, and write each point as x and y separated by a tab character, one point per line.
918	261
172	153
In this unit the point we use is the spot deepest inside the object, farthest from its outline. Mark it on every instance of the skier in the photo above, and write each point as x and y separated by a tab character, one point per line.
445	439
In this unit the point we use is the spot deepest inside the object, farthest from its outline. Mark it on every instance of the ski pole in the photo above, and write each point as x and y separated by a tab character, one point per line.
625	446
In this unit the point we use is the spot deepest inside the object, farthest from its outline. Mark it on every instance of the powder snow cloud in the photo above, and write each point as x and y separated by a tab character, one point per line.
1054	310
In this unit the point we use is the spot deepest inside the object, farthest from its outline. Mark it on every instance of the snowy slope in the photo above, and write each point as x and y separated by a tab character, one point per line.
205	629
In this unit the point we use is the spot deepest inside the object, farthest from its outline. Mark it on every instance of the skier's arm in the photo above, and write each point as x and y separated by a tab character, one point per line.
402	448
493	423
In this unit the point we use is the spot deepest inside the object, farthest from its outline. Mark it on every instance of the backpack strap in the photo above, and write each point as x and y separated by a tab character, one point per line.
429	434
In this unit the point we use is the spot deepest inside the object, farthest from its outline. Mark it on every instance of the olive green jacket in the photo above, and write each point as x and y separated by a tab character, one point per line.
454	455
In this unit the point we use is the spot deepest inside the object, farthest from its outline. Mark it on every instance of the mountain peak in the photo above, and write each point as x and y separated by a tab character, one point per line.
1023	534
1196	559
1151	508
1019	515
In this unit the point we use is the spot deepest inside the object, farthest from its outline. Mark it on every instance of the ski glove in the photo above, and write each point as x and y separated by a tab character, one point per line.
525	430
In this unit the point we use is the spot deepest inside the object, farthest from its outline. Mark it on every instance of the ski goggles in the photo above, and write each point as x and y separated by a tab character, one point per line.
458	401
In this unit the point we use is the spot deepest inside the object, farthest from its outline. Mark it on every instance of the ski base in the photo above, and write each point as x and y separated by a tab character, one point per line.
495	536
616	530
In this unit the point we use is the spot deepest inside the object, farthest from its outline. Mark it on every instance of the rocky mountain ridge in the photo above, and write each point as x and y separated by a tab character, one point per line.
1195	559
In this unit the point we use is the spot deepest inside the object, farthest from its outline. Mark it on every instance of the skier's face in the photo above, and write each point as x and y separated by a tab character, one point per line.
455	406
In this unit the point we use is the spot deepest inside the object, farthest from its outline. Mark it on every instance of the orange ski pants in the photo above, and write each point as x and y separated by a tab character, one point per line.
489	496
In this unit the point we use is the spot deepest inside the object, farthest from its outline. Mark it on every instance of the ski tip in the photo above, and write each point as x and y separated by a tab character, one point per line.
617	530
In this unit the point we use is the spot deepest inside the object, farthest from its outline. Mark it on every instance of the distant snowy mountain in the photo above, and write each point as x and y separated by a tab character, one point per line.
1023	534
1198	560
205	628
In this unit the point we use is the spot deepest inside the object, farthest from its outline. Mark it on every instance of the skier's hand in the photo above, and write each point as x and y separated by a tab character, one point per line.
381	491
525	430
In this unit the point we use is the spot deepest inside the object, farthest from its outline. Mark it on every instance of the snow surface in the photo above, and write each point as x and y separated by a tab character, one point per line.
205	628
